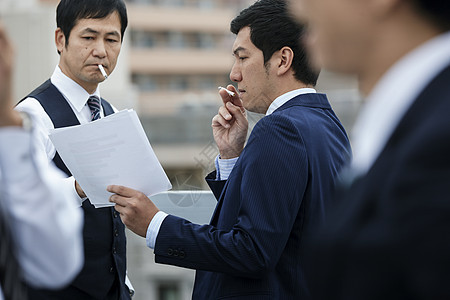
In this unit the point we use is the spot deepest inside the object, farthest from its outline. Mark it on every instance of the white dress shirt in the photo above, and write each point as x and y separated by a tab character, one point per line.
45	221
223	166
392	97
77	98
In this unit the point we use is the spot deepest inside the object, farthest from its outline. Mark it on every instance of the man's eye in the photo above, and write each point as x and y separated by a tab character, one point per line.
243	58
112	41
88	38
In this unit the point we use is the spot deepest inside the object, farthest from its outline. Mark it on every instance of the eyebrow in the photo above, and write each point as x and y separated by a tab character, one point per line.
90	30
239	49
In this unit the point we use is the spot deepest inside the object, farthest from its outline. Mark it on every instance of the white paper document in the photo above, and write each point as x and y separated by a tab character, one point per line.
111	150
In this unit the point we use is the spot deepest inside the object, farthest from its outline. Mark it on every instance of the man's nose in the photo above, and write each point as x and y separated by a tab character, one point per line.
99	49
235	74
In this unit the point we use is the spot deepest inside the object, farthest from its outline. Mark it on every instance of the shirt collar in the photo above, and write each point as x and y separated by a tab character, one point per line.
393	96
72	91
280	101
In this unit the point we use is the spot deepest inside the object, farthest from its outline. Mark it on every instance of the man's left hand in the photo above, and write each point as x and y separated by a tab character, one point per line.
136	210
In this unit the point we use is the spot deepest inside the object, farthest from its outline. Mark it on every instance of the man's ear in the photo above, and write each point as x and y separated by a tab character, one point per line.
60	40
285	59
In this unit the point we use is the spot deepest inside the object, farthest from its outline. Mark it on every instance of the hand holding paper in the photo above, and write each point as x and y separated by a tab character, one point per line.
136	210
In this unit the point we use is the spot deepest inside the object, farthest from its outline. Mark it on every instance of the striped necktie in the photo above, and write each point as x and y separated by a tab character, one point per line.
94	105
10	279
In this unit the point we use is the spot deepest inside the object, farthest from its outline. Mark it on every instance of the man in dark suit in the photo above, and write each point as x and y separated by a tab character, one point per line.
89	34
270	193
389	237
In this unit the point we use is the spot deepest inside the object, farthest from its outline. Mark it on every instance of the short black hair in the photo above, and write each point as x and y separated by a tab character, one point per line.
272	28
69	12
437	11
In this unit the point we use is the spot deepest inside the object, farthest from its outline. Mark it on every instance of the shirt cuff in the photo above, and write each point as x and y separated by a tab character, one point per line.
224	167
69	184
153	229
15	150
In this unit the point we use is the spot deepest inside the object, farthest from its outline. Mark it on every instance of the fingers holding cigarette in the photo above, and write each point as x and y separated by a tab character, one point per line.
230	128
230	94
223	118
228	115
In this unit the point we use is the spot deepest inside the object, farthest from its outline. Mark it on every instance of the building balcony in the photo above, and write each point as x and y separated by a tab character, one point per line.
167	61
161	18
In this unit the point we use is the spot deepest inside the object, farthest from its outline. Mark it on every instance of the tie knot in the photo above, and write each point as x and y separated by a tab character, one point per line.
94	105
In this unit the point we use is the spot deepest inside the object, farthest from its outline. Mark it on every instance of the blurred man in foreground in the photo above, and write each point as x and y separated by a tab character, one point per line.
40	225
389	238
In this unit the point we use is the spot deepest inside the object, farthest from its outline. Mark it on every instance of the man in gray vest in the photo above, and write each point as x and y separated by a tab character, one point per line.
88	37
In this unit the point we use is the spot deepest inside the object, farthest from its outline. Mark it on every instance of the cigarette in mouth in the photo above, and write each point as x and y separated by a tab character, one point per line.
103	71
229	92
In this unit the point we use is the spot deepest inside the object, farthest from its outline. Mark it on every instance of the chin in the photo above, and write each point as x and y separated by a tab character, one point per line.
255	109
96	79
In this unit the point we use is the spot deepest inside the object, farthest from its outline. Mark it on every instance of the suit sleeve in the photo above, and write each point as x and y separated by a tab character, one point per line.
274	172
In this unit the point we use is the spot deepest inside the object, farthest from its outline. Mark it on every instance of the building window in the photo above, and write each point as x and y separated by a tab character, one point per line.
142	39
180	83
179	40
146	83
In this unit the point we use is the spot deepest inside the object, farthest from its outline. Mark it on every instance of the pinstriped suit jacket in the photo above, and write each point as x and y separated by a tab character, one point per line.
253	247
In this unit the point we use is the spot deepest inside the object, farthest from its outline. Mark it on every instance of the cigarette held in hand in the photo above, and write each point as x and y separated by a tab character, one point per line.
103	71
229	92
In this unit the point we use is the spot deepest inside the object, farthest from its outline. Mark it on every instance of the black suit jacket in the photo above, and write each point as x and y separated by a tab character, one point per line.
390	236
